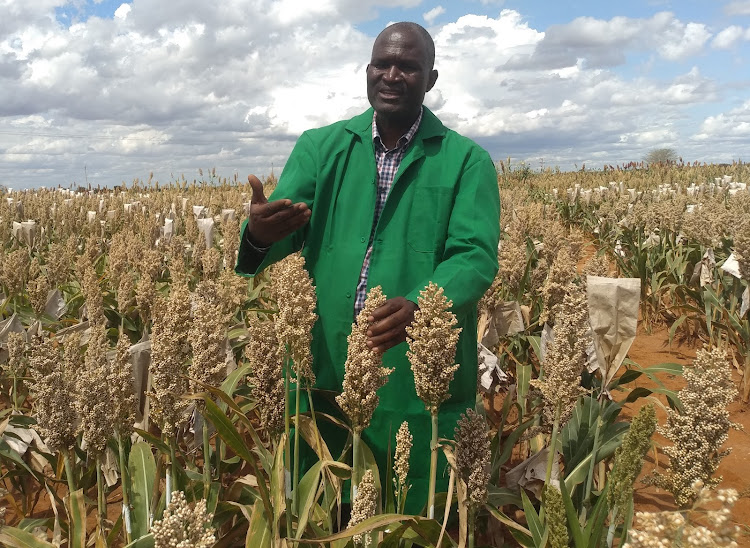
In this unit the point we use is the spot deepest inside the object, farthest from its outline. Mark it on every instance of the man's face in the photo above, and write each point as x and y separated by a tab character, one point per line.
398	75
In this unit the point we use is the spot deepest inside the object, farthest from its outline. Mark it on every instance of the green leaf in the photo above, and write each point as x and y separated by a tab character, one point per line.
146	541
259	534
573	525
227	430
535	523
142	473
77	525
308	494
12	537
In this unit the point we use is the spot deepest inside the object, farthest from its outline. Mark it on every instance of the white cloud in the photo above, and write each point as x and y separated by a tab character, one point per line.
733	125
122	11
433	14
173	87
729	37
738	7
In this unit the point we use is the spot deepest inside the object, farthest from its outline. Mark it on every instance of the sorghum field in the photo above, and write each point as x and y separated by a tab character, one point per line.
144	387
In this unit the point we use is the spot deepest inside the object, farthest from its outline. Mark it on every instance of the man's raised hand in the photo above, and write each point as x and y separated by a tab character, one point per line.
270	222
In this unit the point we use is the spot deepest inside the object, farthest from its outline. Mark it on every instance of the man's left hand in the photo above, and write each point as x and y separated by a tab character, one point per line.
389	323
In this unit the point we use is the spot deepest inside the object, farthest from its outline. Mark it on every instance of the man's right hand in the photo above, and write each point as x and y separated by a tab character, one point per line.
270	222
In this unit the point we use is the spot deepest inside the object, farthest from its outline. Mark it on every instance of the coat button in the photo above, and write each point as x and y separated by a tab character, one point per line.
348	295
362	240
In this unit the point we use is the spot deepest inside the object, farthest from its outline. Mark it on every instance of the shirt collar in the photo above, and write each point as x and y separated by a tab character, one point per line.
404	140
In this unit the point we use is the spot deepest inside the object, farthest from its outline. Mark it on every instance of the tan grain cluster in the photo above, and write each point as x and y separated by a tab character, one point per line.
363	371
184	525
432	339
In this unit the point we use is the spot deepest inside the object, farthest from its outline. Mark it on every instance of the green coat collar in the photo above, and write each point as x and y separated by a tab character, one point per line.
430	127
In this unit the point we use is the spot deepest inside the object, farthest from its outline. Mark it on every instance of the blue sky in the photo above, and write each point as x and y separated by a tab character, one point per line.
111	91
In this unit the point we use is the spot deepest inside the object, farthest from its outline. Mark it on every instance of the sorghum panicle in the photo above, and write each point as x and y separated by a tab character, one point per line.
629	458
54	390
266	375
565	357
432	338
295	295
170	350
404	441
363	373
699	431
556	520
184	525
473	455
364	506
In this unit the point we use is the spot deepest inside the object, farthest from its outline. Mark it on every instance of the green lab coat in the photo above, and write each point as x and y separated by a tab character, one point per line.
440	223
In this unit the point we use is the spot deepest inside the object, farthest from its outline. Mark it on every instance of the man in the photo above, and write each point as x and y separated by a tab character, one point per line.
390	198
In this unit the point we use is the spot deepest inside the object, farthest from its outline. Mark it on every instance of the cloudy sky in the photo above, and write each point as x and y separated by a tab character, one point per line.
105	91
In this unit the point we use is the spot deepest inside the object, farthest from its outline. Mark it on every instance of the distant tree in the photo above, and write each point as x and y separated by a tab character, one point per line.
661	156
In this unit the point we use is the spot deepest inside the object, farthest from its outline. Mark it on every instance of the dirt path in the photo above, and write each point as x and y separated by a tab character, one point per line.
650	349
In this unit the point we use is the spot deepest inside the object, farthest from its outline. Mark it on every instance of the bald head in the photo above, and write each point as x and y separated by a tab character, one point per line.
416	30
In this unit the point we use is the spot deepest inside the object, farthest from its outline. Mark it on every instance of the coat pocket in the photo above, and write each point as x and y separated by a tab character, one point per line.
430	214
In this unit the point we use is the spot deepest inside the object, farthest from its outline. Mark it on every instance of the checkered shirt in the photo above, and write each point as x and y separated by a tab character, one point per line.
388	162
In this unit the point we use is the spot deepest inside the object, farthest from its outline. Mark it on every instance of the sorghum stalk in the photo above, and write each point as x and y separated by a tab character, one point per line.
472	522
553	443
125	482
433	465
101	498
287	449
295	492
432	339
206	460
68	471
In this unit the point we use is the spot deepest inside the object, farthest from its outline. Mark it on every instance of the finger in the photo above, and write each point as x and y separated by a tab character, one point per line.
268	209
383	311
388	339
394	321
258	196
292	225
284	214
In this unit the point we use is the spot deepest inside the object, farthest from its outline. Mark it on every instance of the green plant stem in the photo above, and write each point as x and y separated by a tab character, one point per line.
287	448
433	465
125	483
594	451
15	392
295	480
612	526
471	524
553	443
206	460
101	499
69	471
356	464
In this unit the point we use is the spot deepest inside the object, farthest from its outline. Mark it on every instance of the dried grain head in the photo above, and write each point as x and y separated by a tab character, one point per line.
170	351
364	505
94	399
404	441
473	455
122	394
53	391
699	431
295	296
184	525
554	289
266	375
432	339
566	356
14	272
363	373
207	336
